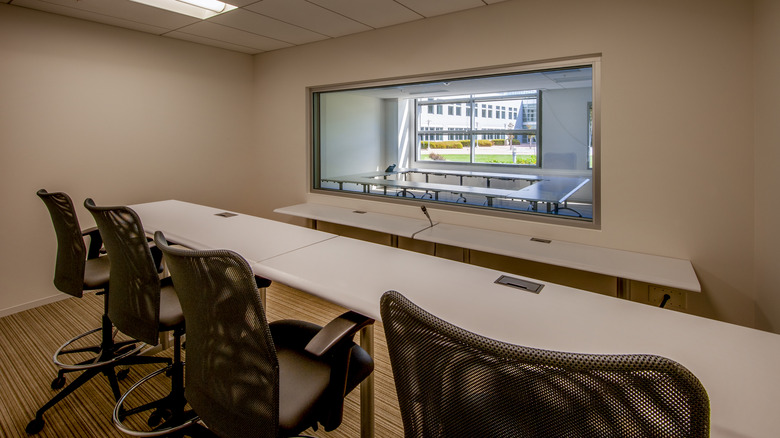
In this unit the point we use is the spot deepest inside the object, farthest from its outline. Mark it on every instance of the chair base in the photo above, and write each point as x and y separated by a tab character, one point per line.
108	369
109	356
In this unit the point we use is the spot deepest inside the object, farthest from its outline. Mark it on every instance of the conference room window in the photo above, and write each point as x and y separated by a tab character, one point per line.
492	140
519	140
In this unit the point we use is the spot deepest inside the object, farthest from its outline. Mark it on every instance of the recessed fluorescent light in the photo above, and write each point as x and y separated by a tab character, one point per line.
202	9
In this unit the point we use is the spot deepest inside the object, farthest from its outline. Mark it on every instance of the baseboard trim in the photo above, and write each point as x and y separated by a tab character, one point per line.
32	304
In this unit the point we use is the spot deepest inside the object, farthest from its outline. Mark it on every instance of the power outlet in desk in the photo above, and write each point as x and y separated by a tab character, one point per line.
677	299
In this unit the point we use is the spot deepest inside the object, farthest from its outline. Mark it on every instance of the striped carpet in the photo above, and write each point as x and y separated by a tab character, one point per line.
28	339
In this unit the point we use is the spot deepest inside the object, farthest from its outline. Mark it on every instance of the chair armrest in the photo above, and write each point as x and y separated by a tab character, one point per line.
95	242
341	328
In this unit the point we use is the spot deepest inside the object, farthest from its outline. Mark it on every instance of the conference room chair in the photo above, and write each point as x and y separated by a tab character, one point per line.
143	306
80	268
454	383
246	377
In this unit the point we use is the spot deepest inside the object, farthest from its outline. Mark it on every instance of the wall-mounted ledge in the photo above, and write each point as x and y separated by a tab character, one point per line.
624	265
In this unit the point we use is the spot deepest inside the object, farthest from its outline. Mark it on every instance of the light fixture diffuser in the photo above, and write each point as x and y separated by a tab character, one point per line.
202	9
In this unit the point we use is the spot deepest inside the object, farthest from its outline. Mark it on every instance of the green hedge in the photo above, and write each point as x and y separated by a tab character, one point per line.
460	144
451	144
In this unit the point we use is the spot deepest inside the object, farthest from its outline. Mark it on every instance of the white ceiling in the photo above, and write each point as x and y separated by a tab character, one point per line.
257	26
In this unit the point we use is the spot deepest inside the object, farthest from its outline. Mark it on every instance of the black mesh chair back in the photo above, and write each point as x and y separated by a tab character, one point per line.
246	377
134	306
71	249
454	383
232	371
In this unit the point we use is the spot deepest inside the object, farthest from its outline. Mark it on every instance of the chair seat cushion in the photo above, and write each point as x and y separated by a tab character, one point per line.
171	315
96	273
302	381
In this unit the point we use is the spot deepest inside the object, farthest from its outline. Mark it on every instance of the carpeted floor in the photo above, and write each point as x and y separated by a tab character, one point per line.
28	340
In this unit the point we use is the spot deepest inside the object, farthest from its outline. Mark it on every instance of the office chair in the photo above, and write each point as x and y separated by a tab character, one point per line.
143	306
80	269
246	377
454	383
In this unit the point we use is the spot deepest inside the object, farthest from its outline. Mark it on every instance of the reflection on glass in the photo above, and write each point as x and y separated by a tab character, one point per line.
519	142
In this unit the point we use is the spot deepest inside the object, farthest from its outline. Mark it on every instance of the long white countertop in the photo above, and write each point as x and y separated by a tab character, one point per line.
654	269
737	365
665	271
384	223
201	227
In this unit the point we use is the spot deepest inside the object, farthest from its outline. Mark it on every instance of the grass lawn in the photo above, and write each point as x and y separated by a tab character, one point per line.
485	158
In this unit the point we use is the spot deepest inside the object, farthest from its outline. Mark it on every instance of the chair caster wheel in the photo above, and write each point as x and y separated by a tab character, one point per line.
58	382
122	374
159	416
35	426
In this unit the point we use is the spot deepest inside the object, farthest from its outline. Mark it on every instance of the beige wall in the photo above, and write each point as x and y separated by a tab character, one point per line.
112	114
767	178
685	191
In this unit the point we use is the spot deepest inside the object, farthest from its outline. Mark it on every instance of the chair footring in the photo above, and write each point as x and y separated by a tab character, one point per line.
102	357
168	414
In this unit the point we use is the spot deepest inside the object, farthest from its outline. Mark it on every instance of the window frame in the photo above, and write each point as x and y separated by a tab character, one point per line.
479	104
592	61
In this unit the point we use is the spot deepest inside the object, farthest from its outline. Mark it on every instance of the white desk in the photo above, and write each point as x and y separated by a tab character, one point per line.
383	223
474	174
405	186
200	227
553	191
664	271
737	366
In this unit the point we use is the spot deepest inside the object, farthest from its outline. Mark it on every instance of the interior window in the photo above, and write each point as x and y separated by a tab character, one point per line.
521	140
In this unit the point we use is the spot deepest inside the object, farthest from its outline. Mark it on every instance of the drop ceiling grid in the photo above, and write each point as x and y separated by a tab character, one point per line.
257	26
374	13
308	15
253	22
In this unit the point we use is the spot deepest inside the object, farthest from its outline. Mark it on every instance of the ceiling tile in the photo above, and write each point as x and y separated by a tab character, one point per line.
310	16
258	25
265	26
374	13
212	42
218	32
430	8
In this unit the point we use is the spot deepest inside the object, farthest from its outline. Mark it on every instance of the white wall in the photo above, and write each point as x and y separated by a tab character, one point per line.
767	160
565	127
391	147
687	192
116	115
351	133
